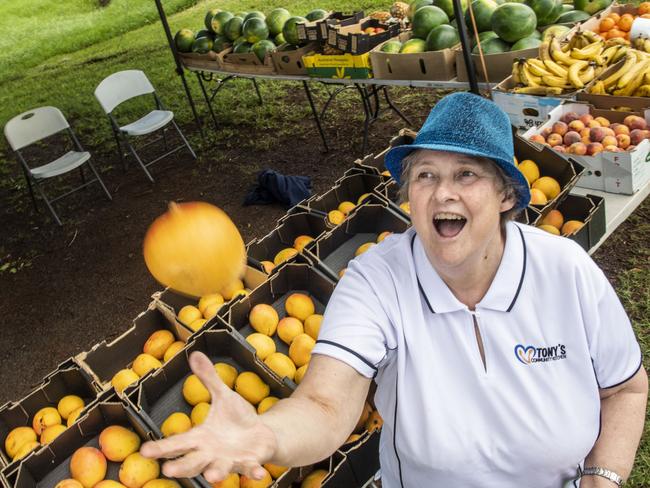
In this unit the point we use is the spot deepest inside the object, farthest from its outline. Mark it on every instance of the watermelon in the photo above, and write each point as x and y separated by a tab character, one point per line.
208	17
204	33
279	39
513	21
241	14
232	29
417	4
202	45
183	40
442	37
573	17
392	46
276	19
221	43
238	41
567	8
242	48
484	36
317	14
255	13
591	6
261	48
526	43
483	10
493	46
219	22
427	18
547	11
448	6
414	45
255	30
290	32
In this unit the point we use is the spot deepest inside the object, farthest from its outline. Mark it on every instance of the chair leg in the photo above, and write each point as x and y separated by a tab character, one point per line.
137	158
83	176
119	150
49	205
31	193
92	167
164	134
184	140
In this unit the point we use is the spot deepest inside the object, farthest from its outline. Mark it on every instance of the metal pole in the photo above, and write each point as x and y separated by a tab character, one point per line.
179	66
464	41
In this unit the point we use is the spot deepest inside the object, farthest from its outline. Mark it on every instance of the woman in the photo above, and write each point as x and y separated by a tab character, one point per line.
502	355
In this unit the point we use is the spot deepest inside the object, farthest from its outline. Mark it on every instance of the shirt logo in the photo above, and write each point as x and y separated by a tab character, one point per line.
532	354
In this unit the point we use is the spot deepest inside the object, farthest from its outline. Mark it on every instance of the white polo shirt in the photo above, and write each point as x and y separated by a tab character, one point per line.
553	332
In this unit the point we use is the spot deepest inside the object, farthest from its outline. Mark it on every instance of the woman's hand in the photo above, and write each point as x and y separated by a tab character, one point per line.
231	439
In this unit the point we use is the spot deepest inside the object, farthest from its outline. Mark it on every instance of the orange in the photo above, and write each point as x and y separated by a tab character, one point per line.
614	16
625	24
615	33
644	8
607	24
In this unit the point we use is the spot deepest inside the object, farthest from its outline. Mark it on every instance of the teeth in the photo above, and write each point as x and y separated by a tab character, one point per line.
448	216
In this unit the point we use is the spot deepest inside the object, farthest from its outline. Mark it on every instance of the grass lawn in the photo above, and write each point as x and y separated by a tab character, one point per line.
55	53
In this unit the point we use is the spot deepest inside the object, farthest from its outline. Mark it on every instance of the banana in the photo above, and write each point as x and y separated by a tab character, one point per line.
608	54
527	78
630	60
633	75
616	41
646	78
537	67
646	45
643	91
589	52
574	70
567	46
556	81
591	36
555	68
629	88
598	88
538	90
516	79
587	74
622	51
544	53
560	56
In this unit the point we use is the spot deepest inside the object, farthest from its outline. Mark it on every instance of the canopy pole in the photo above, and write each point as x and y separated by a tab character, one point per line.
464	41
179	67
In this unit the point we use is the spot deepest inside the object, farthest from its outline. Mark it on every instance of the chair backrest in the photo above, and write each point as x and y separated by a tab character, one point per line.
120	87
34	125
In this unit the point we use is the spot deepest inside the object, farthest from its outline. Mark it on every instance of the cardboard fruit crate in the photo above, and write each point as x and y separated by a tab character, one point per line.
334	250
429	65
354	39
247	63
51	465
318	30
292	278
612	102
375	163
363	456
338	66
160	394
289	62
282	237
209	61
67	379
339	472
115	353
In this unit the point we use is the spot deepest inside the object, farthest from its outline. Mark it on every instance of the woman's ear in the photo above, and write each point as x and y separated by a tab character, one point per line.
508	202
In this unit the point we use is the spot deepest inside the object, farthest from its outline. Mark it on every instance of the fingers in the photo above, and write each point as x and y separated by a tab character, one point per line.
217	471
170	447
188	466
251	470
203	368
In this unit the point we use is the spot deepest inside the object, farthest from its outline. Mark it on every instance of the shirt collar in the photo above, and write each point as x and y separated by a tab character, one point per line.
503	291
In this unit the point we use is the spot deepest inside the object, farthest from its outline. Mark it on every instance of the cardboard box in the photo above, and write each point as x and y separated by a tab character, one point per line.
551	163
353	39
593	23
290	62
283	236
334	250
589	209
389	191
51	464
111	355
196	61
339	475
375	164
318	30
614	172
170	302
429	65
247	63
499	66
67	379
363	456
338	66
292	278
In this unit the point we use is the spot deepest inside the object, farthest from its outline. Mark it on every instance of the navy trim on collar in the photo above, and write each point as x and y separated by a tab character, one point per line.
368	363
424	295
523	271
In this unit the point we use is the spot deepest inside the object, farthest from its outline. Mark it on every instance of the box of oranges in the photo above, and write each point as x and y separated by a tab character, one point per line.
616	21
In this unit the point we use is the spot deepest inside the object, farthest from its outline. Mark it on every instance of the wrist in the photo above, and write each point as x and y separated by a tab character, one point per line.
597	477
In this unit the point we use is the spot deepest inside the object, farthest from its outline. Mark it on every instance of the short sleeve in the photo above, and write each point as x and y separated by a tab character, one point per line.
614	349
355	323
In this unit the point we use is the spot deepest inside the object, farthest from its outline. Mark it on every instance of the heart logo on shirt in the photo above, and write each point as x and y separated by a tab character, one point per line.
525	354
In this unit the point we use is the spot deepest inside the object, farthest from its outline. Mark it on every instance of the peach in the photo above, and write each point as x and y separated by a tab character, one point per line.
569	117
88	466
264	319
619	128
635	122
546	132
586	118
158	342
585	132
136	470
585	140
554	140
559	149
603	121
578	148
594	148
636	136
45	418
571	137
576	125
117	442
596	134
609	141
623	140
538	139
593	123
609	131
560	128
612	148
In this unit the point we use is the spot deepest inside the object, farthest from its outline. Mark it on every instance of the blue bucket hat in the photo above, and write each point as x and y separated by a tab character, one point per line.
468	124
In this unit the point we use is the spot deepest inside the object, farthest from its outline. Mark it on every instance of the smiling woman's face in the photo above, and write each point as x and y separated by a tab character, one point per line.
456	202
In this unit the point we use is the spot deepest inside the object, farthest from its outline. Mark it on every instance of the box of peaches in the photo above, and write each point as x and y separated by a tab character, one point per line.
612	145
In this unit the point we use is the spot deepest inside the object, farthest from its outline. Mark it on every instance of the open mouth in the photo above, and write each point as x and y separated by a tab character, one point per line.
448	224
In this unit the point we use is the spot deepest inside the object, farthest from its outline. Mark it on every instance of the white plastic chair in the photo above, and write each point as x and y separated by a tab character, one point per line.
35	125
125	85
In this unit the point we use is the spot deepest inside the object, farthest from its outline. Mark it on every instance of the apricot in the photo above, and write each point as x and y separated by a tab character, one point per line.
301	241
158	342
176	423
264	319
288	328
612	148
406	207
312	325
571	137
299	305
284	255
620	129
71	483
265	404
300	373
549	186
266	481
346	207
275	470
352	438
363	248
560	128
554	140
25	449
227	373
231	289
109	484
551	229
172	350
586	132
335	217
232	481
537	197
72	418
576	125
383	236
554	218
314	479
194	391
362	198
579	148
268	266
69	404
571	227
374	421
300	349
251	387
117	442
88	466
45	418
136	470
123	379
262	344
51	433
144	363
199	413
281	365
17	438
161	483
188	314
593	123
586	118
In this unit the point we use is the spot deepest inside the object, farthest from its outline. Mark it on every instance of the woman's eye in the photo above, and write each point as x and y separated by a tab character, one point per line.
425	175
467	174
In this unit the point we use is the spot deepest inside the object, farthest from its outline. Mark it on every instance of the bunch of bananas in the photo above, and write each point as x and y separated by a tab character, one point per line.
567	67
632	78
642	44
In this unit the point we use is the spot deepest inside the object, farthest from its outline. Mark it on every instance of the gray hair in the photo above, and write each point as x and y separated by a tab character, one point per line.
506	184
